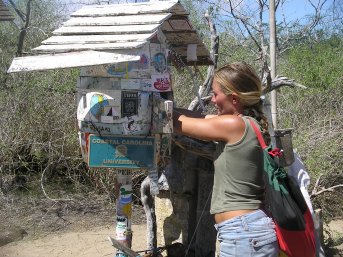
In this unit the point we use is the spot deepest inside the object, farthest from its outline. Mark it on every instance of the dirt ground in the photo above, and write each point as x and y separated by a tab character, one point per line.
76	228
89	243
33	227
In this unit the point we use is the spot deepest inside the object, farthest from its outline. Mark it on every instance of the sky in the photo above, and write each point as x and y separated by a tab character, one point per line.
292	9
299	8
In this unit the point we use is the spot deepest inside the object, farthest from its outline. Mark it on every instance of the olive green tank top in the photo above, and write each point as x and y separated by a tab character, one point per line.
238	174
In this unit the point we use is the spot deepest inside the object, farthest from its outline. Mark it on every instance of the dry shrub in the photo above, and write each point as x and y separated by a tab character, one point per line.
317	119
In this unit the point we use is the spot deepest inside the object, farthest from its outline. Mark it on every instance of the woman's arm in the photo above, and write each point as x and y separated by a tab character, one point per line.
228	128
188	113
209	116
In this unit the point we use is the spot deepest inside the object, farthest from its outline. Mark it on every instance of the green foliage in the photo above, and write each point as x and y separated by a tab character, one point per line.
318	65
38	121
316	114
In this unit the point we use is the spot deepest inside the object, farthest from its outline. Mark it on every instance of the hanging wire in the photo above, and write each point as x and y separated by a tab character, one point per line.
196	228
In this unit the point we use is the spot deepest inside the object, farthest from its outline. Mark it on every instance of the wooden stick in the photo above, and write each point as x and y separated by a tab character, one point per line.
123	248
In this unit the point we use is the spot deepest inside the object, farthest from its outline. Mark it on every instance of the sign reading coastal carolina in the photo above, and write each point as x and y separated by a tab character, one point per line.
121	152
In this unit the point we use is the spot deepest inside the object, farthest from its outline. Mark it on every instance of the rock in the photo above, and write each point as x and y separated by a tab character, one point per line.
336	226
8	235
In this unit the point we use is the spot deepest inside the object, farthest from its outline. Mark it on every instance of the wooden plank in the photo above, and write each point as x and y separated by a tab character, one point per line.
126	9
180	24
182	50
5	12
6	18
118	20
96	39
177	38
83	47
108	30
70	60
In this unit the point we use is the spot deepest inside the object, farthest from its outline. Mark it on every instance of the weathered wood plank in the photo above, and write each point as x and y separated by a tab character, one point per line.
70	60
6	18
5	12
118	20
127	9
96	39
183	38
182	50
107	30
83	47
177	24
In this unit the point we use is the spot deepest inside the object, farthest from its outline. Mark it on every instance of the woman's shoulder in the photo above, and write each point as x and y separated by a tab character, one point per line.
235	121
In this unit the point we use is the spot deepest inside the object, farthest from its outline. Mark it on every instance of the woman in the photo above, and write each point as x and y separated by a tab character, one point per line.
237	197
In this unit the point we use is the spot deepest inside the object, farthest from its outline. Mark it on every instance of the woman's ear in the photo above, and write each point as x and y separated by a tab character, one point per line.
235	99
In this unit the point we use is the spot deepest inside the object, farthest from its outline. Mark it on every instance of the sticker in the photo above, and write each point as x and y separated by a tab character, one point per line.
129	103
142	64
119	69
93	105
131	126
166	145
159	62
146	85
99	83
153	175
145	107
124	201
101	128
121	228
131	84
125	152
97	104
161	82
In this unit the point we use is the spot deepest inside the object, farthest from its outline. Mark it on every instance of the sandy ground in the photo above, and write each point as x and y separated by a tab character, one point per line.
80	228
90	243
93	243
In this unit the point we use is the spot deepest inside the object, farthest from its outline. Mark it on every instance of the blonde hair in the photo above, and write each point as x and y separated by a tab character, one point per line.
241	79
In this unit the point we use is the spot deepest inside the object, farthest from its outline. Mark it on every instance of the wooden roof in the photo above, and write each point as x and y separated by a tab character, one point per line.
5	14
122	29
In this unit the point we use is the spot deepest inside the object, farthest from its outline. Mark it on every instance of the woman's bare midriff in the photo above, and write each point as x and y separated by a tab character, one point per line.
220	217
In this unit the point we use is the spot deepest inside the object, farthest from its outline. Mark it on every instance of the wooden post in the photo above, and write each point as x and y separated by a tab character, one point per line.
272	43
318	226
124	210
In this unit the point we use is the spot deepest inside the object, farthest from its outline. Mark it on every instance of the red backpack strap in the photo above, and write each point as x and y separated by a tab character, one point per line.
258	134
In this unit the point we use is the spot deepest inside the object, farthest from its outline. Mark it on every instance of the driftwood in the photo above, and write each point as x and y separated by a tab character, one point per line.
315	192
278	82
123	248
149	208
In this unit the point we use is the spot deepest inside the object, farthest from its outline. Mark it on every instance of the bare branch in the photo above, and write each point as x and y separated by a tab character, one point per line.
24	30
279	82
330	189
245	23
316	185
315	191
43	189
206	86
20	13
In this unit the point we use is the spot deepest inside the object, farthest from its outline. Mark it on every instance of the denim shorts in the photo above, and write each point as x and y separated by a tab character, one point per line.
249	235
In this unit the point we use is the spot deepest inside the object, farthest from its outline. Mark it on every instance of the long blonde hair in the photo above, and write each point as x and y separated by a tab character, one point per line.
241	79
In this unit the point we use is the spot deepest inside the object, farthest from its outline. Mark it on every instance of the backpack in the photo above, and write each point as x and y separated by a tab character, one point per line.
286	205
